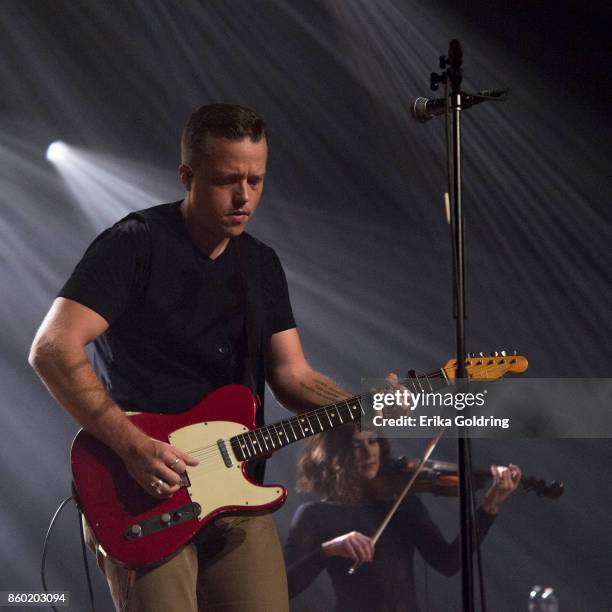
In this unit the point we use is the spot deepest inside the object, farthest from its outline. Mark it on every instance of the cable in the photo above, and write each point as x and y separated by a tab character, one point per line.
46	545
89	585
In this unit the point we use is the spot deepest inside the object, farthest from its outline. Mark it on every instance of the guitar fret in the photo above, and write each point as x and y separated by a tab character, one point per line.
281	434
235	442
255	431
281	441
251	435
312	429
328	417
267	429
319	420
300	426
308	427
284	433
292	430
429	383
339	415
241	447
246	439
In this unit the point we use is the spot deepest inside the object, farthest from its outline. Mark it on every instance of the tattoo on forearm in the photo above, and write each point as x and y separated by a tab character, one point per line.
324	389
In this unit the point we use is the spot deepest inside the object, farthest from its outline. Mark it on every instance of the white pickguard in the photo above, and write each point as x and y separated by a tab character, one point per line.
213	484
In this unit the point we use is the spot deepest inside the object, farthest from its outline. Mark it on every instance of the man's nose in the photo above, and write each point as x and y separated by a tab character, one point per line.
242	192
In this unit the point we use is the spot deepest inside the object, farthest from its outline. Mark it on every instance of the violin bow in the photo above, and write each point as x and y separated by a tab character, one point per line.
430	449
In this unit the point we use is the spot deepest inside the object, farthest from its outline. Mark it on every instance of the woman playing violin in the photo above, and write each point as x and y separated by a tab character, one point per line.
342	466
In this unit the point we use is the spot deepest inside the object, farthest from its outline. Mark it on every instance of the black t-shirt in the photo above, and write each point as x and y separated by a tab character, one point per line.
176	318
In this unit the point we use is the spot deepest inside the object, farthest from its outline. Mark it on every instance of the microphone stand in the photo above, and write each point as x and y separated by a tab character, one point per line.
452	78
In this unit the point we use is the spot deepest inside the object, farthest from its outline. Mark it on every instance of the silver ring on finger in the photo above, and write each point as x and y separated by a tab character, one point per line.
157	485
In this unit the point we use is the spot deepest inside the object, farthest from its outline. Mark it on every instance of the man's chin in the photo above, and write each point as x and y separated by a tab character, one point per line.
234	232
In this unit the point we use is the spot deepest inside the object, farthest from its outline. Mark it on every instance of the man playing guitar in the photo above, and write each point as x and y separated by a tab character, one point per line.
178	301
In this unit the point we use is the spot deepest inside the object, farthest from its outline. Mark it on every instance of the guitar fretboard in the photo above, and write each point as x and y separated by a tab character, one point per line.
268	438
263	440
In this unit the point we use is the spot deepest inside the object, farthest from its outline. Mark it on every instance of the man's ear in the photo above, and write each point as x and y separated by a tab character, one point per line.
186	175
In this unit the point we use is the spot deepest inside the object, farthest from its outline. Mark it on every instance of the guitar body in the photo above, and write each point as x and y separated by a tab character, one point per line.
136	529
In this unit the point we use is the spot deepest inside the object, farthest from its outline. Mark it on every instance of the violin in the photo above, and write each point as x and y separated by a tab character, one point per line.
441	478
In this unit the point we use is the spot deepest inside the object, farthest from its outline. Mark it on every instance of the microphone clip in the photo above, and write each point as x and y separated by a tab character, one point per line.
435	79
451	68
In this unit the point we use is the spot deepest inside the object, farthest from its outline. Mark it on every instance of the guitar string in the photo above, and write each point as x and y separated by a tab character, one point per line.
278	427
298	421
213	449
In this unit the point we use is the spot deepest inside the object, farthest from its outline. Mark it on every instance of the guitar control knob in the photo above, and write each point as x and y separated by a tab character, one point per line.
165	518
135	531
178	516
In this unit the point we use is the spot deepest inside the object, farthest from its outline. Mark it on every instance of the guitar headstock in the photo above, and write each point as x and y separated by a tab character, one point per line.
481	367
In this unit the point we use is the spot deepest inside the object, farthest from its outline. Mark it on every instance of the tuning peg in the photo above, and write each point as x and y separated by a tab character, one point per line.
494	354
514	353
472	355
481	354
503	353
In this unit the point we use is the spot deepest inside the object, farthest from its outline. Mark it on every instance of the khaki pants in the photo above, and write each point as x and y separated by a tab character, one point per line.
234	565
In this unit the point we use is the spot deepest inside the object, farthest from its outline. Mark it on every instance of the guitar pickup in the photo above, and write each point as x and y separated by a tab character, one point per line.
224	453
163	521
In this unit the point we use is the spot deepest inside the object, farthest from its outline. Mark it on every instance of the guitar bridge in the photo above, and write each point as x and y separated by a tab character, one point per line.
163	521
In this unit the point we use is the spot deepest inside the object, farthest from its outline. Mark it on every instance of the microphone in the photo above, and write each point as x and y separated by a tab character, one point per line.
424	109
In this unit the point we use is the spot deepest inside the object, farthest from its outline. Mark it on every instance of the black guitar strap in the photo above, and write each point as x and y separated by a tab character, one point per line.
254	366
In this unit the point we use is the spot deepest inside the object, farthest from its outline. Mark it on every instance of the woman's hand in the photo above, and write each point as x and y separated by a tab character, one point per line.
353	545
505	482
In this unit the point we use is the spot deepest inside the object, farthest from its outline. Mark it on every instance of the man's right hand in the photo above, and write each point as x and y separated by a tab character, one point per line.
353	545
157	466
59	358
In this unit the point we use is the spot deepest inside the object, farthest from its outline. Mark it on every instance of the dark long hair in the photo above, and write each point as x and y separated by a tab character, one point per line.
326	466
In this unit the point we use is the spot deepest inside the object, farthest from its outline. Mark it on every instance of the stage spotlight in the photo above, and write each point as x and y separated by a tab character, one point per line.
57	151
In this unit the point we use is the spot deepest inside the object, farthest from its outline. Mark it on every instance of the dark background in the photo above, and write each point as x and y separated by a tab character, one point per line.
353	206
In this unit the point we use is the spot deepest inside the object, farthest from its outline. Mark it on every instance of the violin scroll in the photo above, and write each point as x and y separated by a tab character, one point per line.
540	487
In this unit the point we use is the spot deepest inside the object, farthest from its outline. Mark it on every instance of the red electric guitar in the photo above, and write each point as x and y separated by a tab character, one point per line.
136	529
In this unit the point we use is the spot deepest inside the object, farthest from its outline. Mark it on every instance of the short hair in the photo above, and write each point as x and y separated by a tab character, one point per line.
326	465
230	121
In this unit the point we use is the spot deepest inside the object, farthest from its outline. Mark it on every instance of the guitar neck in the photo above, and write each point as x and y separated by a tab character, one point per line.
261	441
